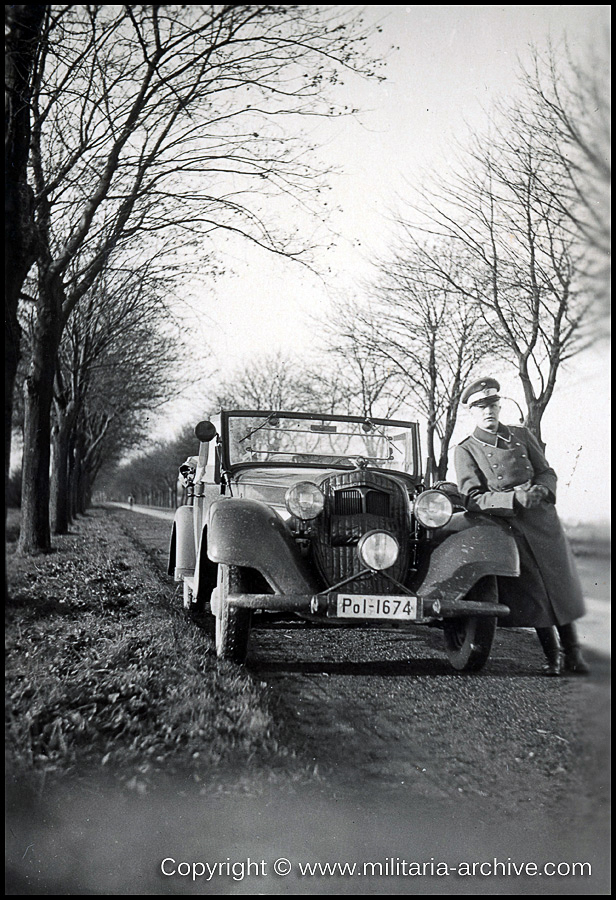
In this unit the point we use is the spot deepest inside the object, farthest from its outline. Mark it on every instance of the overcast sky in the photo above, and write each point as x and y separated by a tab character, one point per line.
451	64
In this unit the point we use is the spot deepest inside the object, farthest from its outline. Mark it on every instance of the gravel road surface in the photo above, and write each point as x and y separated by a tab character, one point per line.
412	764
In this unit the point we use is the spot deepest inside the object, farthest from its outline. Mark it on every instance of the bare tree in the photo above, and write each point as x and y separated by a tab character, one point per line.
151	477
22	31
507	209
129	380
359	381
571	106
343	381
269	381
122	309
425	335
151	119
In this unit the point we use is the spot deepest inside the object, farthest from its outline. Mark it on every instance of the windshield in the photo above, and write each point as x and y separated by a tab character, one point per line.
332	441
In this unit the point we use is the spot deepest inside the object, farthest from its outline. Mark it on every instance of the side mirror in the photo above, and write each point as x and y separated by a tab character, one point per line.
205	431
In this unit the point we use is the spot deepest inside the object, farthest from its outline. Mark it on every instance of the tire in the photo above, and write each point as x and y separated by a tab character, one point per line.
468	639
232	625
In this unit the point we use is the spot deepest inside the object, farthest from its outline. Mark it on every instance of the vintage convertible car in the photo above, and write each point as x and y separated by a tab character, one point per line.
329	518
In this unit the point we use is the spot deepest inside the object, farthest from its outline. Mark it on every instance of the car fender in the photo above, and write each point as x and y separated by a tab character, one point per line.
182	554
475	546
249	533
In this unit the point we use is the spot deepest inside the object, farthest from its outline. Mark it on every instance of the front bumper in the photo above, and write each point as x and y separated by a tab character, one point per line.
320	605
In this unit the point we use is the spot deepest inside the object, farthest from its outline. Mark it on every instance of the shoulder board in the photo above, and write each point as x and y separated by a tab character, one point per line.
467	440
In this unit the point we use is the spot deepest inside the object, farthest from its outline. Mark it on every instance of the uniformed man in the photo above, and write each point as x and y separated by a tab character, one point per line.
502	471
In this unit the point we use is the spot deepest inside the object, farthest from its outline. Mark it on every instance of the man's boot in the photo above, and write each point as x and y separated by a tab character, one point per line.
554	658
575	663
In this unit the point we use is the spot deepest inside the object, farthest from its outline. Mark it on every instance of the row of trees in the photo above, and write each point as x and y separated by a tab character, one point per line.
268	381
151	477
112	371
503	264
135	134
330	381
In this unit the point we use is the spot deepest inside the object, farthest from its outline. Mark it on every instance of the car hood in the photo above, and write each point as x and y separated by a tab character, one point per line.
270	485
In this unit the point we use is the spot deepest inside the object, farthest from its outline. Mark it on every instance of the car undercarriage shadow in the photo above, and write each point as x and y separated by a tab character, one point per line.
398	668
410	653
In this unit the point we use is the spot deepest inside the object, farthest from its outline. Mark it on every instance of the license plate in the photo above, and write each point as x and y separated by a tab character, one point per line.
375	606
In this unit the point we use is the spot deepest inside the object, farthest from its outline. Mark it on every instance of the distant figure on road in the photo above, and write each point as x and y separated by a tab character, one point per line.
502	471
130	500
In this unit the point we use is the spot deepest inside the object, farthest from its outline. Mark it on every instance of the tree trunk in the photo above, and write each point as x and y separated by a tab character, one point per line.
22	34
430	451
535	406
533	418
60	494
443	463
76	478
83	477
72	454
87	481
83	491
11	361
35	533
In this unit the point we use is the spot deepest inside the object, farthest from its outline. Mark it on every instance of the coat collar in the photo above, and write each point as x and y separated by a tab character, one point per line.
489	439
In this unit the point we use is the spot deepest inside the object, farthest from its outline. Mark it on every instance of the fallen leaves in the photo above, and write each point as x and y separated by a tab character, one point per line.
111	673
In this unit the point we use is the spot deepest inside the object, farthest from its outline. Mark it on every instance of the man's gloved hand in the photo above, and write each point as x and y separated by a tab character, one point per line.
540	490
527	497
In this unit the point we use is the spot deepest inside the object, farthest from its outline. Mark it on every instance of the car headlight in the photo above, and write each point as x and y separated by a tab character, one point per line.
304	500
433	509
378	549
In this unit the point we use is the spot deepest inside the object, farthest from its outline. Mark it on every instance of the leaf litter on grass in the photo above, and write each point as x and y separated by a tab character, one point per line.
103	669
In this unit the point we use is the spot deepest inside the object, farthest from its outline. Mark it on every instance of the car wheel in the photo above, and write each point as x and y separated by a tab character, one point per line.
468	639
232	625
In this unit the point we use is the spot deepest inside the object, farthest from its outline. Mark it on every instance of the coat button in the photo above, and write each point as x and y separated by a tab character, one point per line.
489	454
499	477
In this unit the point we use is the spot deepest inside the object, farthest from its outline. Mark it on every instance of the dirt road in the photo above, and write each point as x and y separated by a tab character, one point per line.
411	764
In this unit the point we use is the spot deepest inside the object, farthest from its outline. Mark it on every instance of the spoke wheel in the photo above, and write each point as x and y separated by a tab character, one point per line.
232	625
468	639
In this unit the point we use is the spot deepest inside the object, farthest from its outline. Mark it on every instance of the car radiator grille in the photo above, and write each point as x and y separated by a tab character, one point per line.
355	503
352	501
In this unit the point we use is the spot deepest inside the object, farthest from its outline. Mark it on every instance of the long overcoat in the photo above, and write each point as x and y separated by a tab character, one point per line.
489	466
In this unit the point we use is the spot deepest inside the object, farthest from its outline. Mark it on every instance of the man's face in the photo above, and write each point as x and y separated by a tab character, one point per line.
487	416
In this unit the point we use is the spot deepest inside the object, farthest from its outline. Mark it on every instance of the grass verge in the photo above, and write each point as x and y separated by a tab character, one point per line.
104	671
